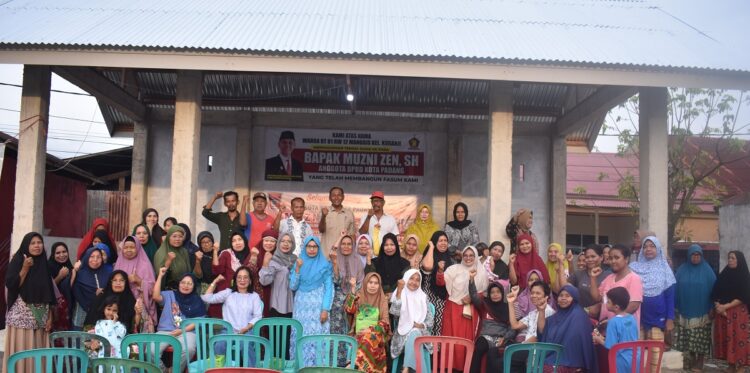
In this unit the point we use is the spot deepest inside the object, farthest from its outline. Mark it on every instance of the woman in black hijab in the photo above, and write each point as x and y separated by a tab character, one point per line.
60	267
461	231
389	264
731	297
119	286
437	258
31	299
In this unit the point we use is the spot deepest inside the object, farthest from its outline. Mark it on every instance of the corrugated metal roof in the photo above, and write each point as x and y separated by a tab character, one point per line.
638	33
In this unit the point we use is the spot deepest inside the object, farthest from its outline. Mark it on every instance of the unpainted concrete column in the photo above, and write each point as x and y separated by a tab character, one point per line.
455	160
500	160
243	160
185	145
139	173
652	128
558	216
32	154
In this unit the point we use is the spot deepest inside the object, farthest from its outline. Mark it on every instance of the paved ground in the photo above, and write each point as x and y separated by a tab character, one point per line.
711	366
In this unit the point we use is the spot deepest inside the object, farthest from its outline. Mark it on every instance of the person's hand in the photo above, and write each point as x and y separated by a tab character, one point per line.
324	211
176	333
512	259
216	247
352	283
595	272
99	291
134	278
27	261
114	316
198	256
542	304
441	266
400	284
254	252
512	295
430	245
466	300
323	316
48	325
596	337
472	274
370	212
418	325
77	266
569	256
669	325
171	256
332	254
218	195
500	342
245	198
282	206
138	306
560	257
64	272
299	263
162	271
218	279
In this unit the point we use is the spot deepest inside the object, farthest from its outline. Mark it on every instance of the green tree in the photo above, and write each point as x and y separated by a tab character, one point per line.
705	137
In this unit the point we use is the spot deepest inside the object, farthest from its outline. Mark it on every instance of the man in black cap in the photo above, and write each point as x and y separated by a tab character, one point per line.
283	166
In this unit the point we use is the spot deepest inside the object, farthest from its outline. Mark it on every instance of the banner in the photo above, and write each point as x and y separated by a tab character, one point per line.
316	155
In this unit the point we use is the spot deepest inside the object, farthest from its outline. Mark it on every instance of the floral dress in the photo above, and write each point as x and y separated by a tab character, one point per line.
371	334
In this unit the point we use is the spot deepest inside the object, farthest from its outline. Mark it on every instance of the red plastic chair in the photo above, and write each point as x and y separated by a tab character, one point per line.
642	353
447	347
241	370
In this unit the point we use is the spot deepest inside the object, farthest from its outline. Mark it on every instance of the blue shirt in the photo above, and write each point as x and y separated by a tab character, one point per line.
622	329
166	321
655	311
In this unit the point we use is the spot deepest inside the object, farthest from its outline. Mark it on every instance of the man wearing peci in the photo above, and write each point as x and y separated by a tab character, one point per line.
283	166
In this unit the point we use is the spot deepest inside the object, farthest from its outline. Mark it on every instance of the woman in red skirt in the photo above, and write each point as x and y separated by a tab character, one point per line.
460	318
731	296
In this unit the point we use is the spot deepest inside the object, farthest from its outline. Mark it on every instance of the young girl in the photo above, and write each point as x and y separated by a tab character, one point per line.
108	327
621	328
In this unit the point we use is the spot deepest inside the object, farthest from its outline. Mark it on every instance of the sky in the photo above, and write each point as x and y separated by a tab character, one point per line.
76	126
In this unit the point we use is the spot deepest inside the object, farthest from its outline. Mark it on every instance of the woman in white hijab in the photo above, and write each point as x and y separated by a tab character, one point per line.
460	318
416	317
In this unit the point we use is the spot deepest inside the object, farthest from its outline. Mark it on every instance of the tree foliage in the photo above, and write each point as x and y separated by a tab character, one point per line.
705	137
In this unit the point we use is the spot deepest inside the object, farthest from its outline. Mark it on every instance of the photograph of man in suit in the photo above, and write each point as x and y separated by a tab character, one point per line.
283	166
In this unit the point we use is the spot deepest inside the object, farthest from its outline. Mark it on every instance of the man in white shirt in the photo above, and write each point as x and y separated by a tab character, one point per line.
295	224
377	223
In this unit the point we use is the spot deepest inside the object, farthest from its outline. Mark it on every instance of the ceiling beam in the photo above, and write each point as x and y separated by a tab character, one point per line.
599	103
104	90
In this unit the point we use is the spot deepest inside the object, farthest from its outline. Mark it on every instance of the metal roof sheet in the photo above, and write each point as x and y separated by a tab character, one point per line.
638	33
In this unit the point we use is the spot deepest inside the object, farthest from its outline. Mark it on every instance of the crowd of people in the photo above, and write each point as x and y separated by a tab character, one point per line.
382	286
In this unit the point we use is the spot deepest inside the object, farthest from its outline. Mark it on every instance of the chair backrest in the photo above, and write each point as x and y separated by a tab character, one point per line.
117	365
326	370
446	346
80	341
238	349
398	360
282	333
205	328
326	349
644	352
241	370
537	354
148	347
55	360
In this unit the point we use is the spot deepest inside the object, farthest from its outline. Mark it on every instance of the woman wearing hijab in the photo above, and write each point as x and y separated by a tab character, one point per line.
204	260
497	265
226	263
495	331
364	248
31	299
411	251
106	251
389	264
525	259
143	235
731	297
265	247
312	282
695	280
60	268
657	310
518	225
523	304
462	318
571	328
423	227
555	255
436	260
275	273
191	247
89	277
179	304
117	286
581	279
416	319
345	267
461	231
369	307
140	274
99	224
173	255
150	219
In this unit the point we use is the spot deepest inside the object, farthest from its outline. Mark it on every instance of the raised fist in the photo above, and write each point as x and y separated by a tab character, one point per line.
400	284
27	261
254	251
171	256
199	255
324	211
218	279
299	262
596	272
219	194
512	258
441	266
472	273
353	282
370	212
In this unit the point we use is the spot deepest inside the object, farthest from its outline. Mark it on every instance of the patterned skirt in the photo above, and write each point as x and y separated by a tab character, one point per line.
371	354
732	337
696	339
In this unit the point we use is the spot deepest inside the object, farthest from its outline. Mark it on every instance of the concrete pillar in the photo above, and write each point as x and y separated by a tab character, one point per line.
32	154
558	216
185	145
500	160
139	173
596	226
243	161
652	128
455	160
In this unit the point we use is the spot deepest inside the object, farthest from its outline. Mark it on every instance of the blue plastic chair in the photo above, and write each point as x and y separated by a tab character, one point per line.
238	349
277	329
55	360
397	362
205	328
79	340
326	349
148	347
537	354
117	365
